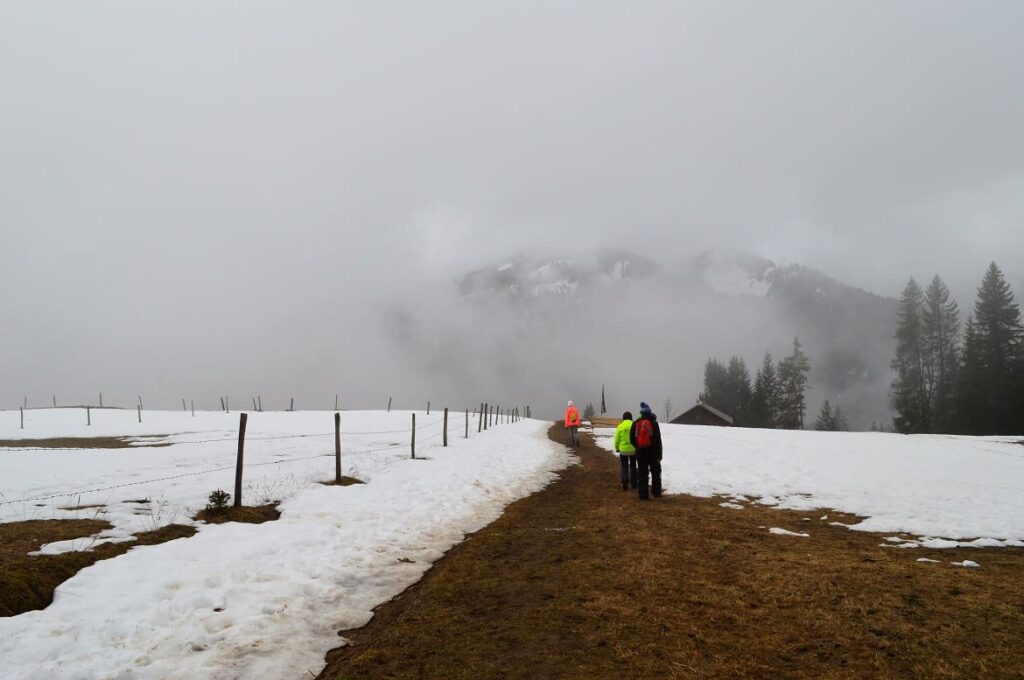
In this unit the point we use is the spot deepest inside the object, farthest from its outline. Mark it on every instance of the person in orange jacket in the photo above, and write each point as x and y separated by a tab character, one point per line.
572	423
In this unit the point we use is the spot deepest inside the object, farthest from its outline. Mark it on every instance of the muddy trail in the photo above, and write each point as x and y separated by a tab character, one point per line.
583	580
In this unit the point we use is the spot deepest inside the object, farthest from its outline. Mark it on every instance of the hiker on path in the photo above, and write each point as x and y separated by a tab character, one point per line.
626	451
572	423
645	436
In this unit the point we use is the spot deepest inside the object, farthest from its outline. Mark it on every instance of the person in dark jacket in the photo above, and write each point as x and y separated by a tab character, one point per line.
645	436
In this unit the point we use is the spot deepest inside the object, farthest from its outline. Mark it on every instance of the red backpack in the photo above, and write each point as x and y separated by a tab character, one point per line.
644	433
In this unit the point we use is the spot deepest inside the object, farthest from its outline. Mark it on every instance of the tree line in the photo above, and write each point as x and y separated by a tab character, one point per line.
949	379
775	398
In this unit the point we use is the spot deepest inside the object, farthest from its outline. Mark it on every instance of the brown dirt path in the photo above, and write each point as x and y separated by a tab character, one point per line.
582	580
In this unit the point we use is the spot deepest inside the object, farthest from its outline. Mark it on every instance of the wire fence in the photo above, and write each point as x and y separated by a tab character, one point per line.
348	452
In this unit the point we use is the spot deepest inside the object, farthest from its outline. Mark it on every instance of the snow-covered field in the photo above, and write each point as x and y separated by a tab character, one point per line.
242	600
946	491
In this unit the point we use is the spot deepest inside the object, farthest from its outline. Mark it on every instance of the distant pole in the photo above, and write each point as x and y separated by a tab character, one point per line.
140	401
88	416
389	404
467	423
222	403
192	403
259	402
337	447
139	410
21	411
484	414
445	437
55	401
101	400
24	402
291	406
480	418
254	404
183	406
238	463
412	444
227	405
428	407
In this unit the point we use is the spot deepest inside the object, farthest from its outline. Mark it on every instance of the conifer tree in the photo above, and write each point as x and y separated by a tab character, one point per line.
716	384
940	327
738	405
826	420
909	394
793	372
765	397
839	420
997	325
970	392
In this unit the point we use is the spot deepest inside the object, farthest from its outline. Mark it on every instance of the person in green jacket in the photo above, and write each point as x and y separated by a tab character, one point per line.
627	454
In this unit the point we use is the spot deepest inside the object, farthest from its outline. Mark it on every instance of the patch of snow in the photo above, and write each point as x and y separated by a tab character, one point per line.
951	490
731	506
931	561
784	532
970	564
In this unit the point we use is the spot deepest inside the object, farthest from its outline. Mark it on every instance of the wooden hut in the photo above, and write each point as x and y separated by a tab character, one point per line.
703	414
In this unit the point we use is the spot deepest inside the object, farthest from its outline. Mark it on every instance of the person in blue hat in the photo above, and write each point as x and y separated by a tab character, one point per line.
645	436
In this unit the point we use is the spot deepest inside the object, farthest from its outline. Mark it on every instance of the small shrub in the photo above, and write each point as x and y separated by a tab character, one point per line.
218	501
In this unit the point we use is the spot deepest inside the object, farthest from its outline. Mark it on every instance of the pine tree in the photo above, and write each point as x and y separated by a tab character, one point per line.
588	411
793	372
970	391
940	326
716	384
839	420
739	392
998	330
765	397
826	420
909	394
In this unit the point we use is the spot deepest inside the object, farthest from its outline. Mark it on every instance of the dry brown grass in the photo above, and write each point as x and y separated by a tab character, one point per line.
250	515
345	481
147	441
583	580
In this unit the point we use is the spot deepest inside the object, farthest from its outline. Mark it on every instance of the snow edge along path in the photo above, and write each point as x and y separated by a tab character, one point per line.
266	601
950	491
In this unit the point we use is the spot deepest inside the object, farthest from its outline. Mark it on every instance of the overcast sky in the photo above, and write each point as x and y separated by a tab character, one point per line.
190	188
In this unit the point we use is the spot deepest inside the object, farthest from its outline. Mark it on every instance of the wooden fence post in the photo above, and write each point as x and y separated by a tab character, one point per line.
445	438
140	402
21	410
238	464
184	408
337	447
254	403
487	411
428	408
55	401
101	400
413	440
222	403
139	410
88	416
192	402
291	406
480	418
259	403
467	423
227	405
389	404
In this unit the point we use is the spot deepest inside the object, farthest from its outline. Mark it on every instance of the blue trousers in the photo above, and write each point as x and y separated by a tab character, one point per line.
627	466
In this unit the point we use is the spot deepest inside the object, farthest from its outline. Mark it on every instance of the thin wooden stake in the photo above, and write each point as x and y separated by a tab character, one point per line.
139	410
413	441
241	455
101	400
193	404
428	408
140	401
21	410
467	423
337	447
227	405
222	403
292	406
55	401
389	404
445	437
259	402
88	416
480	418
254	403
184	407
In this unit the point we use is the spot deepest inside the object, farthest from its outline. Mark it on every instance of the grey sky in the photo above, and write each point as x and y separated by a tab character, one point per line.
192	189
